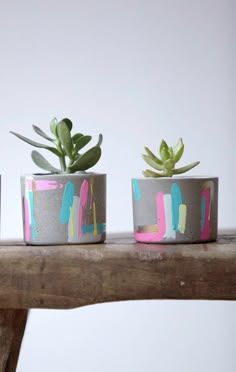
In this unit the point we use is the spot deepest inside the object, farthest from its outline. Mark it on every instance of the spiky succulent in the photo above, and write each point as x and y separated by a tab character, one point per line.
169	156
66	147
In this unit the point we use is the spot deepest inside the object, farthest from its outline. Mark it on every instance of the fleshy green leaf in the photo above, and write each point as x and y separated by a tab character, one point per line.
169	165
42	163
41	133
68	123
171	152
87	160
164	151
37	144
152	163
100	139
177	146
152	156
150	173
76	136
179	153
81	142
64	136
53	126
186	168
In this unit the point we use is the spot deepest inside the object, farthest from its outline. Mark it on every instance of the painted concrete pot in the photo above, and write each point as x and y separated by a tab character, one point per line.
64	209
175	210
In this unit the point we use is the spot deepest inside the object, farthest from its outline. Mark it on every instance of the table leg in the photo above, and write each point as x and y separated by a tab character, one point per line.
12	327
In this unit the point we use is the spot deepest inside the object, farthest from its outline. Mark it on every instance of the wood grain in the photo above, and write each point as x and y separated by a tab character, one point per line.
12	326
63	277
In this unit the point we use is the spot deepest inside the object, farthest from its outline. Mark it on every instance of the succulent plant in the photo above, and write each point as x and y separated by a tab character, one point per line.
66	147
169	156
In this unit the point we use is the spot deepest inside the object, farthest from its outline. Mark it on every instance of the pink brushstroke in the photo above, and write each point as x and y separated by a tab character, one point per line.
82	203
42	185
205	233
161	223
26	222
145	236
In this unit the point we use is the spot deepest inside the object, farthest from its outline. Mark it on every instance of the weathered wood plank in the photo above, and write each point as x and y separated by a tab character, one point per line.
73	276
12	326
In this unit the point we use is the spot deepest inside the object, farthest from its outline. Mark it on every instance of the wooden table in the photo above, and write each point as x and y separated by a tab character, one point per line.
65	277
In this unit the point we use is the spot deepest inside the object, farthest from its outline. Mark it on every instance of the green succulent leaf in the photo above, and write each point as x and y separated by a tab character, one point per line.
68	123
177	146
86	160
37	144
186	168
179	153
171	152
152	163
75	137
150	173
100	139
152	156
41	133
81	142
169	165
64	137
164	151
53	126
42	163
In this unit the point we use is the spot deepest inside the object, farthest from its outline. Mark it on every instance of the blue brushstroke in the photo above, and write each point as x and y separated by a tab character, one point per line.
101	228
67	201
203	202
31	210
136	189
176	197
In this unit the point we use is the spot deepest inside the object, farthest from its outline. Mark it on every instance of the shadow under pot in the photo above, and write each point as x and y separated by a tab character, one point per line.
175	210
64	209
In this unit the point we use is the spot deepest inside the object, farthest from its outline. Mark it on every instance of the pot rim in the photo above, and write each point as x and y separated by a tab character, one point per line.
57	175
187	178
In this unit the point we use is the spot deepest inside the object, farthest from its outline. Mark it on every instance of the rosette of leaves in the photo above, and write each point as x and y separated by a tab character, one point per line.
66	147
166	162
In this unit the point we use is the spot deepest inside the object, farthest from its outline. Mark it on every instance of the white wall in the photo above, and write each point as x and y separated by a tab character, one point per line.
136	71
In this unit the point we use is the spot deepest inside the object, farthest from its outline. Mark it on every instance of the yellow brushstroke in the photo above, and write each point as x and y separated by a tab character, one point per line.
71	222
91	187
95	230
182	218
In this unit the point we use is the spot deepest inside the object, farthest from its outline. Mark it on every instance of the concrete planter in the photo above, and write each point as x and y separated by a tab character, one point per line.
64	209
175	210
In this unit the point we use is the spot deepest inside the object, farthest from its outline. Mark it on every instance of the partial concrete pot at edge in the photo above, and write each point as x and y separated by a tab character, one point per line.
64	209
175	210
0	202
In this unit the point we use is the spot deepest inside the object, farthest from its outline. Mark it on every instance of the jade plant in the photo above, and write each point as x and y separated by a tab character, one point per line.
165	164
66	147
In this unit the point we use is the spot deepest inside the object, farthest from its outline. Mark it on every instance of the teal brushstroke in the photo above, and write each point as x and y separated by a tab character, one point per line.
67	201
203	202
33	223
101	228
176	198
136	189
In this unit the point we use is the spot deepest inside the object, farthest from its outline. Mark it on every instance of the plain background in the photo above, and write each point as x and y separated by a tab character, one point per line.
137	71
